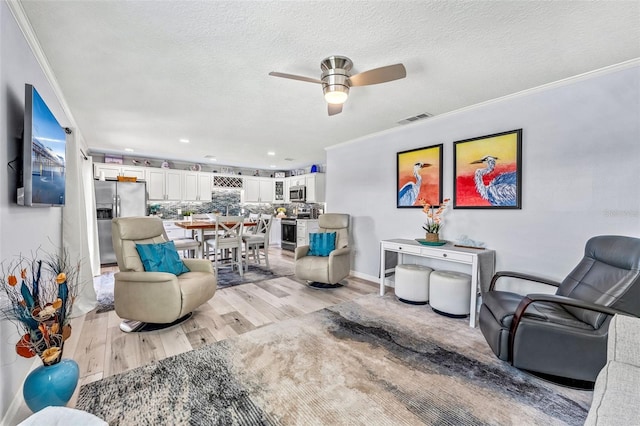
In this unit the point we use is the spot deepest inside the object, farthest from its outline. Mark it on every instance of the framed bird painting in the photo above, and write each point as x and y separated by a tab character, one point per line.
488	172
419	173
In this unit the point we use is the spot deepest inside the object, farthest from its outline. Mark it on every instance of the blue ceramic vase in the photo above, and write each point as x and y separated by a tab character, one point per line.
51	385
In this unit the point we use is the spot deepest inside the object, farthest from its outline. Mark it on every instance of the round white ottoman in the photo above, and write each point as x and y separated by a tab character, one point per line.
450	293
412	284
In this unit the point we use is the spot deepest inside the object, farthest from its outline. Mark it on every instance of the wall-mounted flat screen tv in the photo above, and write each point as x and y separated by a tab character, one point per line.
43	155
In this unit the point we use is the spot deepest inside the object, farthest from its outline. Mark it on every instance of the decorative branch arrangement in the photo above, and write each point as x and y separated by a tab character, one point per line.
39	305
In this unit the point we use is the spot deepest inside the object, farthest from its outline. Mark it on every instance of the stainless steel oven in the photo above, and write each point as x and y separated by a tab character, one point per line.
289	237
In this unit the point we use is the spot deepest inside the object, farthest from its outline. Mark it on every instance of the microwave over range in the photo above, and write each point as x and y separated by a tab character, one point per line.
298	194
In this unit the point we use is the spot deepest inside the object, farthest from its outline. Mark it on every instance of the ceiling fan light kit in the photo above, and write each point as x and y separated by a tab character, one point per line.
336	80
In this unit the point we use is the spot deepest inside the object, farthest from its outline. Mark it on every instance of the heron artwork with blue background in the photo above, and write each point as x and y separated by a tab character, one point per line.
487	171
419	176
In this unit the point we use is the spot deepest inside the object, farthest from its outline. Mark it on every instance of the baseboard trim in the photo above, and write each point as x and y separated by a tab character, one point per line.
364	276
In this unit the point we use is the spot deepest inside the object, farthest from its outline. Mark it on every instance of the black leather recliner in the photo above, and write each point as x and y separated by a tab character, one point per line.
565	334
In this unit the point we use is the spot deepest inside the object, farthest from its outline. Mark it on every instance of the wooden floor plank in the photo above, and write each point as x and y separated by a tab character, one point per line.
217	325
272	312
102	349
240	324
281	303
249	312
90	349
219	304
200	337
276	291
124	351
174	341
150	347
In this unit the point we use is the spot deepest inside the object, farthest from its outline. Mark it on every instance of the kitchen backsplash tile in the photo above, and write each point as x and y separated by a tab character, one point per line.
221	200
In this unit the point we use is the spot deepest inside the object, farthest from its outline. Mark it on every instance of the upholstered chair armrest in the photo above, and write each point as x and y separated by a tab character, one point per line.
520	276
339	264
301	251
340	252
567	301
145	277
198	265
563	300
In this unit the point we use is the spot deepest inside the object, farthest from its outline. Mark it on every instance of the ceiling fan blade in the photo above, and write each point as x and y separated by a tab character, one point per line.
379	75
335	109
295	77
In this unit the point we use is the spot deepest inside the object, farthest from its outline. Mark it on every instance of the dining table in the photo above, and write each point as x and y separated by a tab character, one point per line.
203	225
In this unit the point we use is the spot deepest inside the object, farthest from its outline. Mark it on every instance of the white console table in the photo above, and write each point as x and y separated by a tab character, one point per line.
481	262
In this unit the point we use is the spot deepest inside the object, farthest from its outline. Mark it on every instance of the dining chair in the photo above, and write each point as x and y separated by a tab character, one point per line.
253	243
250	230
227	242
206	235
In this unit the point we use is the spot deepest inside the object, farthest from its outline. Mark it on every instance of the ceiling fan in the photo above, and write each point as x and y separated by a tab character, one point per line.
336	80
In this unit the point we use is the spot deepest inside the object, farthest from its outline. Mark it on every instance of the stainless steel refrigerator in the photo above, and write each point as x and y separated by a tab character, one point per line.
116	199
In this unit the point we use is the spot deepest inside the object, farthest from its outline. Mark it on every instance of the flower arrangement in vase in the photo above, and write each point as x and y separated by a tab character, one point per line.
433	224
40	295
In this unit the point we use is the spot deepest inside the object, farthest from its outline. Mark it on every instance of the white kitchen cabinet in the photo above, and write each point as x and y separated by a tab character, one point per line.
315	184
204	186
196	186
299	180
134	171
275	234
164	184
280	191
304	227
109	171
257	190
266	190
112	171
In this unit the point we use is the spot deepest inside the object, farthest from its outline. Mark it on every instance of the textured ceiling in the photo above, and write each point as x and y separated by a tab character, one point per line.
144	74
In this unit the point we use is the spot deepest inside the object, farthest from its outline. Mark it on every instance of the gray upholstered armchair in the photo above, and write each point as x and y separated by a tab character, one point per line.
329	270
565	334
154	297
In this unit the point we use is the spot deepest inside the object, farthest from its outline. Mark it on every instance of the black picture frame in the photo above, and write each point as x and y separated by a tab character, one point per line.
413	185
487	171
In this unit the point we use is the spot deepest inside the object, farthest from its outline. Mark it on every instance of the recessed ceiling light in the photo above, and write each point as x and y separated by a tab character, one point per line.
273	166
210	157
128	149
271	153
184	140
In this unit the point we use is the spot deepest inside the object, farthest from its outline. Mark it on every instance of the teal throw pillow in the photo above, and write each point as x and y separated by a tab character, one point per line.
162	257
321	244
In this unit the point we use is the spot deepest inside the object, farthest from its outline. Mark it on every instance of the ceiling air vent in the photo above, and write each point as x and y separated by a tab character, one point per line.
415	118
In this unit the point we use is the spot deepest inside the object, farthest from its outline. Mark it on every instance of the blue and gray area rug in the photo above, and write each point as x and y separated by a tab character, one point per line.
227	277
371	361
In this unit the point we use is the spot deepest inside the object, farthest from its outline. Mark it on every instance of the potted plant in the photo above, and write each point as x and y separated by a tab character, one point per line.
433	223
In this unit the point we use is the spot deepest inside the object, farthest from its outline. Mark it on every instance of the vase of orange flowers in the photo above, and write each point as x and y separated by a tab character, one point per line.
40	293
433	223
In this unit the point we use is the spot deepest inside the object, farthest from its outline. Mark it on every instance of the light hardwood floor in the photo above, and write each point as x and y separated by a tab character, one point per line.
102	350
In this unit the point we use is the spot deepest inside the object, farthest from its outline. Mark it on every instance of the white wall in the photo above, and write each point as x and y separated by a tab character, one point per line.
581	164
22	229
